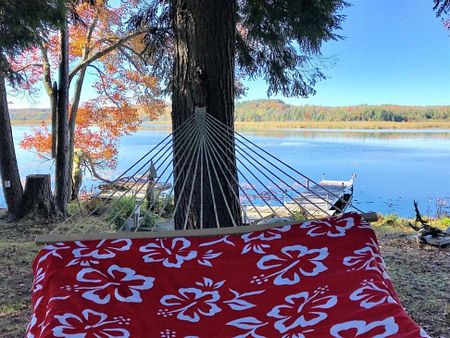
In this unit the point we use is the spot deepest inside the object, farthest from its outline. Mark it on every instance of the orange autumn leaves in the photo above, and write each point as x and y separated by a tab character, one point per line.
118	80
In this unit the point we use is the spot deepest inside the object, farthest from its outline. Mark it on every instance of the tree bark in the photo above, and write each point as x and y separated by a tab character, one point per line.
12	187
38	199
203	76
54	105
63	184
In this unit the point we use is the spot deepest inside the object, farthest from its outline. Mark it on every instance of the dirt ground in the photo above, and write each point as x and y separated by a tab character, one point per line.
420	273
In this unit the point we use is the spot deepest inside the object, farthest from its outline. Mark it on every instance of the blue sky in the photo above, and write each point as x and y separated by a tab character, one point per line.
394	51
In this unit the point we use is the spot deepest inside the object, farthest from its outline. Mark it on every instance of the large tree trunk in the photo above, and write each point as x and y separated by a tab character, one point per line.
12	187
203	76
63	183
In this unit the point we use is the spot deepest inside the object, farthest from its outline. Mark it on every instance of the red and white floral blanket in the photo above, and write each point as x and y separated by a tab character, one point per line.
314	279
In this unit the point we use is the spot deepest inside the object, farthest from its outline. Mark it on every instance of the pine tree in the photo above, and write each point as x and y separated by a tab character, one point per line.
200	46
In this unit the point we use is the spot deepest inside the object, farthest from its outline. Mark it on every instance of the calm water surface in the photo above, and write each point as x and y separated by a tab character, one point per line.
393	167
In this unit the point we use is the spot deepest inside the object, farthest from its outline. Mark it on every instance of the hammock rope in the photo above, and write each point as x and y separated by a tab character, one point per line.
229	130
265	186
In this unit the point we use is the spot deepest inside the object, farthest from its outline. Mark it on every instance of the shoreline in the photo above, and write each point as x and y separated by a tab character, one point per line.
349	125
338	125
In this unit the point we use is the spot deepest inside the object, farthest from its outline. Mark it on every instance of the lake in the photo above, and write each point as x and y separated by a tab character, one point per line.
392	167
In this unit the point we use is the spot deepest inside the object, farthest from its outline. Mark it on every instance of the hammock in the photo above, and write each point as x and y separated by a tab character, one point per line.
273	277
313	279
269	191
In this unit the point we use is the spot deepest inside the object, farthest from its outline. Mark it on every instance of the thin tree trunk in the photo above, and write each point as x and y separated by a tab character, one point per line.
203	76
54	105
12	187
63	184
72	126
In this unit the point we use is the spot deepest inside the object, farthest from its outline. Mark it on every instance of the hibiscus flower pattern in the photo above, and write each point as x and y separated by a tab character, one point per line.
171	252
331	228
90	324
367	258
302	310
121	284
250	325
53	250
370	295
291	264
227	239
206	298
257	242
191	304
86	255
362	329
38	279
258	284
204	258
34	319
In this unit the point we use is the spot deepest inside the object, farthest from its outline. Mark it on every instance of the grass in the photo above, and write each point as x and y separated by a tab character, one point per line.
420	273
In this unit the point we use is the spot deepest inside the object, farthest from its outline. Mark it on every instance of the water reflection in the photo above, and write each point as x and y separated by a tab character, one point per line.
393	167
362	134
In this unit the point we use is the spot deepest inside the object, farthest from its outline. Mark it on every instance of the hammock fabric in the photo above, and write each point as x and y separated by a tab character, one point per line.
314	279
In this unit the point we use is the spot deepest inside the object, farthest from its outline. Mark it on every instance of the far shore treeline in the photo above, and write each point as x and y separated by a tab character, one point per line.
279	111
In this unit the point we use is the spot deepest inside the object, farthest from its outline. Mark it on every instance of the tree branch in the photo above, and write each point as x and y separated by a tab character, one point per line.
129	58
28	66
105	51
90	165
104	85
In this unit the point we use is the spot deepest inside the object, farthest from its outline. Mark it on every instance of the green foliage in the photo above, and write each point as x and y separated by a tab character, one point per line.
445	221
278	40
281	39
441	7
277	110
73	207
149	219
120	210
168	202
94	204
394	221
391	219
299	217
21	21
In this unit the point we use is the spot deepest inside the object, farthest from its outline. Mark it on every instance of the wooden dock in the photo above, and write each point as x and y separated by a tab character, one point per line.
327	198
137	190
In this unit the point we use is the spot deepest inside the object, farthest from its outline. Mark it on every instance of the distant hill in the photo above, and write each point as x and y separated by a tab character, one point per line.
277	110
30	114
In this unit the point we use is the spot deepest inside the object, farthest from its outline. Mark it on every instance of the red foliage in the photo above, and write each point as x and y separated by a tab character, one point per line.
125	93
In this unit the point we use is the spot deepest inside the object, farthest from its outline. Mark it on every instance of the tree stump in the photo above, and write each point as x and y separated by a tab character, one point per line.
38	200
